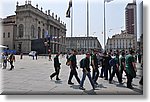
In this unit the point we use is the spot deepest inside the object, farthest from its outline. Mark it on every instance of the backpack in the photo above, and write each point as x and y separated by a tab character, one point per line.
112	62
82	65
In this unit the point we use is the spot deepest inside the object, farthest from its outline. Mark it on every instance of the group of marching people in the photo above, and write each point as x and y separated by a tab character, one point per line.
116	64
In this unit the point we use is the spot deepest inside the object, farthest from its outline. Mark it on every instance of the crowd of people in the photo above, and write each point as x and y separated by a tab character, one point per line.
94	65
110	64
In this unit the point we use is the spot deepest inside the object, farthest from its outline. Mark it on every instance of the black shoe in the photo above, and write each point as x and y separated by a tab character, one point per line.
70	83
101	76
51	77
130	87
57	79
105	79
110	82
82	88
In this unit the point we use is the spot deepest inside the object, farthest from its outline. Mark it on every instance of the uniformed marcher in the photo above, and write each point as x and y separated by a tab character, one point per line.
115	69
122	64
86	72
130	68
94	63
57	67
73	66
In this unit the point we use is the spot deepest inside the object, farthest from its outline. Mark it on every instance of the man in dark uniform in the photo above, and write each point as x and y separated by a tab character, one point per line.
106	65
94	63
115	69
57	67
73	66
86	71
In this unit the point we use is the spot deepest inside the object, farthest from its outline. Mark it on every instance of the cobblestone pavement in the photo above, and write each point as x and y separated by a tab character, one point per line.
32	77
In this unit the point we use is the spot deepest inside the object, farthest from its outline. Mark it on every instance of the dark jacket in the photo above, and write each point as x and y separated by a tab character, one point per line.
87	64
56	62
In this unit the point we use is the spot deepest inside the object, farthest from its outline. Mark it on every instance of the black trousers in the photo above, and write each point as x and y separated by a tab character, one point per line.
57	70
121	72
115	71
73	72
11	64
129	80
106	69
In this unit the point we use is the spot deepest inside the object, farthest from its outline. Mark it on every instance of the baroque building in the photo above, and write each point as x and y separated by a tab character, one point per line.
32	24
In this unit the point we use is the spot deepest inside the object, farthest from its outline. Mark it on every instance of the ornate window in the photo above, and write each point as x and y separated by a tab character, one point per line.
21	29
39	32
43	33
32	31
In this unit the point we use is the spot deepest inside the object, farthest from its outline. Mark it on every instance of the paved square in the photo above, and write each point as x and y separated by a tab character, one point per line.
32	77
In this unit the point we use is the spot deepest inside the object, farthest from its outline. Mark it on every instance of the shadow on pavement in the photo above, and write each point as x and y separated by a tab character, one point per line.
90	92
58	82
75	86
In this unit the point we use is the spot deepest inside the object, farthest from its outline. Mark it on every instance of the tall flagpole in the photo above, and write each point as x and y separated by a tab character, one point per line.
87	18
104	27
88	24
71	21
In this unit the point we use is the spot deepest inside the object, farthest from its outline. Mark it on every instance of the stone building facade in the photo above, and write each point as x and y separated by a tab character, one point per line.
9	30
121	41
33	24
83	44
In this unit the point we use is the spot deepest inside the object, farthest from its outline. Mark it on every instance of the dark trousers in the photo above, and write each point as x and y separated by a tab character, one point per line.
11	64
74	72
106	69
102	71
83	79
129	80
121	72
96	74
57	70
115	71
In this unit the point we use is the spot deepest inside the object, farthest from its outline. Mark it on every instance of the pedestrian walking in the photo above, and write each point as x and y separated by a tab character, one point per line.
94	63
115	68
36	55
130	68
50	57
86	72
4	59
122	65
57	67
73	66
11	60
21	55
106	65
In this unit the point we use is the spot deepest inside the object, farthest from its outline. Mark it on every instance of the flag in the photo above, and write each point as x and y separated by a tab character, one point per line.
108	1
68	11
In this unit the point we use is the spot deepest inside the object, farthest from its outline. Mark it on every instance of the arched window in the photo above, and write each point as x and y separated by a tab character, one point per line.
43	33
21	29
32	31
39	32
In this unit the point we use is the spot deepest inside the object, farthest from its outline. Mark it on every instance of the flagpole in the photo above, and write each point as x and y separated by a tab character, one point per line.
71	21
88	23
104	26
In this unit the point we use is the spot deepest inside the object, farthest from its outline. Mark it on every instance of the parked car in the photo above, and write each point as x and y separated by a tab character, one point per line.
32	53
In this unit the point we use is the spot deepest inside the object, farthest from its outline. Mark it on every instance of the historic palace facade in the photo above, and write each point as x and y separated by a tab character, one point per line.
30	24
